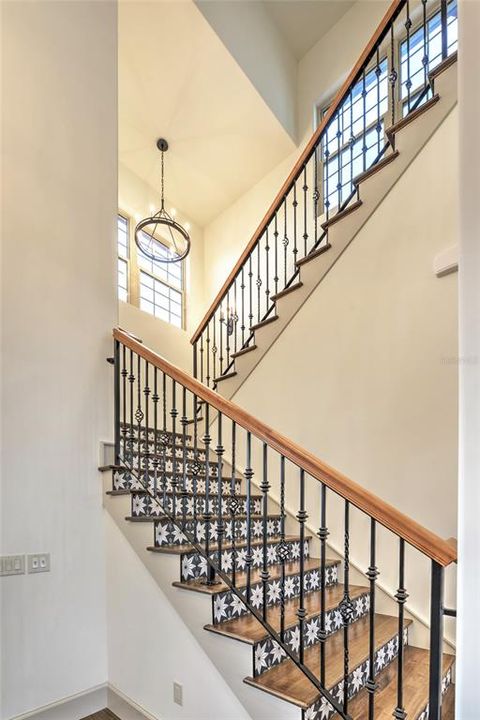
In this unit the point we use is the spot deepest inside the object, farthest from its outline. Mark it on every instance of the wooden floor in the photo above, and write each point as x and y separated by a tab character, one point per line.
102	715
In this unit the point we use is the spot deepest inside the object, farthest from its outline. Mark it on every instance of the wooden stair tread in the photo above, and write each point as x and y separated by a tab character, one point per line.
227	376
415	687
255	542
244	351
286	681
386	160
411	117
261	324
314	254
291	568
343	213
287	291
248	629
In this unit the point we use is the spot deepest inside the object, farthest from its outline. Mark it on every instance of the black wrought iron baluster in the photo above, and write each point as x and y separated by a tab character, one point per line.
323	535
220	333
378	127
124	400
302	518
156	460
436	641
116	402
173	415
146	392
401	598
305	190
228	329
259	283
208	355
131	437
267	272
408	83
207	514
219	450
282	548
392	79
195	359
339	157
183	423
346	607
444	24
139	416
195	466
285	242
265	487
425	44
248	479
235	316
275	235
234	503
372	574
202	378
316	197
242	288
295	205
164	438
214	348
250	291
351	142
364	133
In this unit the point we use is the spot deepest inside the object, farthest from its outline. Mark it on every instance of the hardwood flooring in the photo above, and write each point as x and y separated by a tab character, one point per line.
104	714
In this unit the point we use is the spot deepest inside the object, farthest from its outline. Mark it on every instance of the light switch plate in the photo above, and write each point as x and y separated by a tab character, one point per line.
12	565
38	563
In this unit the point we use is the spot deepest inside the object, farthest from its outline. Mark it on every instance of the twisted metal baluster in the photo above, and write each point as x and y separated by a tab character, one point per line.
155	399
267	271
392	78
364	99
302	518
295	205
285	242
164	438
378	127
214	349
316	196
305	190
242	288
248	478
146	392
372	574
346	607
250	290
183	422
220	332
139	415
233	503
173	415
425	44
259	282
444	24
208	354
323	535
195	466
124	375
339	158
131	437
235	315
265	487
275	235
220	525
408	84
282	548
201	359
401	598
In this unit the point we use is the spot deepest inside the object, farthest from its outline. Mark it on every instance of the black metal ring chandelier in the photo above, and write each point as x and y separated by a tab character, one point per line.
151	232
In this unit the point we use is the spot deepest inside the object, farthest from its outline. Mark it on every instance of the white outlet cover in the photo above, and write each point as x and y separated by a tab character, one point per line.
12	565
38	562
177	693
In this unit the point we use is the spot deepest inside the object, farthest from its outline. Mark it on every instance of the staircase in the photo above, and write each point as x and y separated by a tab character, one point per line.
236	522
377	124
307	636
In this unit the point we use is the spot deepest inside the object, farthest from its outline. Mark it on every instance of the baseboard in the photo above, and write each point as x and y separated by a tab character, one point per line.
72	707
125	707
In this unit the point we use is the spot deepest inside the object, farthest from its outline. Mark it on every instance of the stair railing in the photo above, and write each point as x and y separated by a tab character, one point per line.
392	77
155	403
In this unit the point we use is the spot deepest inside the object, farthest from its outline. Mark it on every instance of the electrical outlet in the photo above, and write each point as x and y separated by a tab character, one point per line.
12	565
39	562
177	693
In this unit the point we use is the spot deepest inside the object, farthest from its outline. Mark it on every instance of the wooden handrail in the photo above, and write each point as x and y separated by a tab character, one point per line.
309	149
412	532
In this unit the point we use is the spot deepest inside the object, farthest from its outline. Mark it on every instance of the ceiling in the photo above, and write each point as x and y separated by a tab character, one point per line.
177	80
303	22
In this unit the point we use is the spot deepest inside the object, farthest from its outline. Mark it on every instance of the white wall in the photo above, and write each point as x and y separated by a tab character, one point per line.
373	391
253	39
137	198
58	305
469	364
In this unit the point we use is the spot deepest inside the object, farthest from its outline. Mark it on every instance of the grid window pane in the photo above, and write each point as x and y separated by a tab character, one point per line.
122	235
170	273
160	299
122	280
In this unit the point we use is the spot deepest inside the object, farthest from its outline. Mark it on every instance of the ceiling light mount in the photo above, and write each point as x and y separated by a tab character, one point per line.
160	230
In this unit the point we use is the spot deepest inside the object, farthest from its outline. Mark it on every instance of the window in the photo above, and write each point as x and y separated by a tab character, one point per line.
345	154
154	287
123	243
422	52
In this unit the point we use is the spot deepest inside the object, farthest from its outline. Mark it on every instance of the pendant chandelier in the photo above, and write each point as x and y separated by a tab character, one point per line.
160	230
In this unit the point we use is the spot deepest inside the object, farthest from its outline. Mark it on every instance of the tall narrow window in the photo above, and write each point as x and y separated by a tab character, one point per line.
161	287
123	243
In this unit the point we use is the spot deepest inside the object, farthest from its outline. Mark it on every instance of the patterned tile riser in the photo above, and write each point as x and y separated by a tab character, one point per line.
268	653
151	433
357	679
226	606
446	682
167	450
194	565
193	467
122	479
144	505
167	534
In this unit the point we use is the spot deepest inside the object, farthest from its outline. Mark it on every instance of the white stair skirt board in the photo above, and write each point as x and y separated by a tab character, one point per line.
73	707
409	141
446	262
233	659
